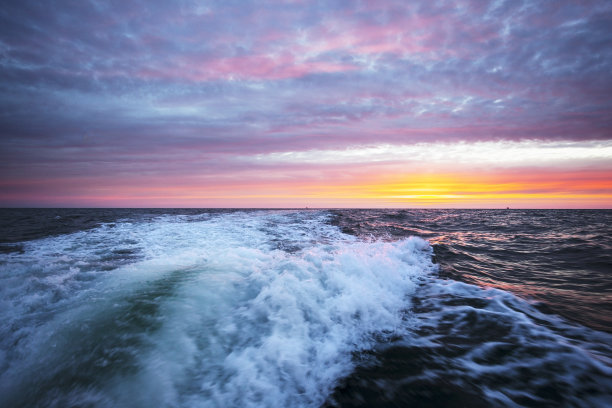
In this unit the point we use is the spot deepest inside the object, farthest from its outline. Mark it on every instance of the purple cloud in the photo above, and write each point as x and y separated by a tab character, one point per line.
90	86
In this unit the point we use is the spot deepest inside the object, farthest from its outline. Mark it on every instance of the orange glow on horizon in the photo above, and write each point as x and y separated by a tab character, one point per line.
524	189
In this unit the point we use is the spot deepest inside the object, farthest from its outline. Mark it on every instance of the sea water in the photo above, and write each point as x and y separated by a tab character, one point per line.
226	308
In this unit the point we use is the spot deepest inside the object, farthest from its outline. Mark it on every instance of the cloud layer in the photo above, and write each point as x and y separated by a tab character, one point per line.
112	95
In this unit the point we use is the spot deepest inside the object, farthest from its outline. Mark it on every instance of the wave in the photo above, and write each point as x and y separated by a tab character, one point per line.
252	309
212	313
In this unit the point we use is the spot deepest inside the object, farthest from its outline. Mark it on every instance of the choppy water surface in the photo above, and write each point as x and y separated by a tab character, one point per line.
201	308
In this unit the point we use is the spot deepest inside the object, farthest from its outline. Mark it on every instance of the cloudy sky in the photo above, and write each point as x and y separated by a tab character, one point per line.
197	103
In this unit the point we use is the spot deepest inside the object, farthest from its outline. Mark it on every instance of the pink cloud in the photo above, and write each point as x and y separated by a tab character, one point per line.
249	67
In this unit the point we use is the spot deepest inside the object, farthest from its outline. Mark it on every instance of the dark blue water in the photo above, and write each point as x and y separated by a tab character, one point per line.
562	258
182	307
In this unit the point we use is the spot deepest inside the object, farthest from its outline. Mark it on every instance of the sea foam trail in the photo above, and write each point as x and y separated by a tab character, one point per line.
242	309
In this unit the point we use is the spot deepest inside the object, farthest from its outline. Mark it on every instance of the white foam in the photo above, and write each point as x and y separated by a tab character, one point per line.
242	309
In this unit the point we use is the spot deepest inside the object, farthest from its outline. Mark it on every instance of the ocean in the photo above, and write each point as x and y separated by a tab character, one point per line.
305	308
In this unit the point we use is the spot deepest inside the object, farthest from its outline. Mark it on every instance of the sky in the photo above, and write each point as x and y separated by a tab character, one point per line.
197	103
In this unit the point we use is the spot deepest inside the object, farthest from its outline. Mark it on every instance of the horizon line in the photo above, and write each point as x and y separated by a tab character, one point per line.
301	208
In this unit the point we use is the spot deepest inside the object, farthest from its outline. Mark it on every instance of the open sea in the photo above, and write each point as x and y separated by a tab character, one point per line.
305	308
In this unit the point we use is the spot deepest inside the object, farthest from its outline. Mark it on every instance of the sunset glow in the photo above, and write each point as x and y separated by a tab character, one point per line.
464	104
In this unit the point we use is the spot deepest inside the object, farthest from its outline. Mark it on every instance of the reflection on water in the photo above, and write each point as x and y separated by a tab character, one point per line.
560	257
